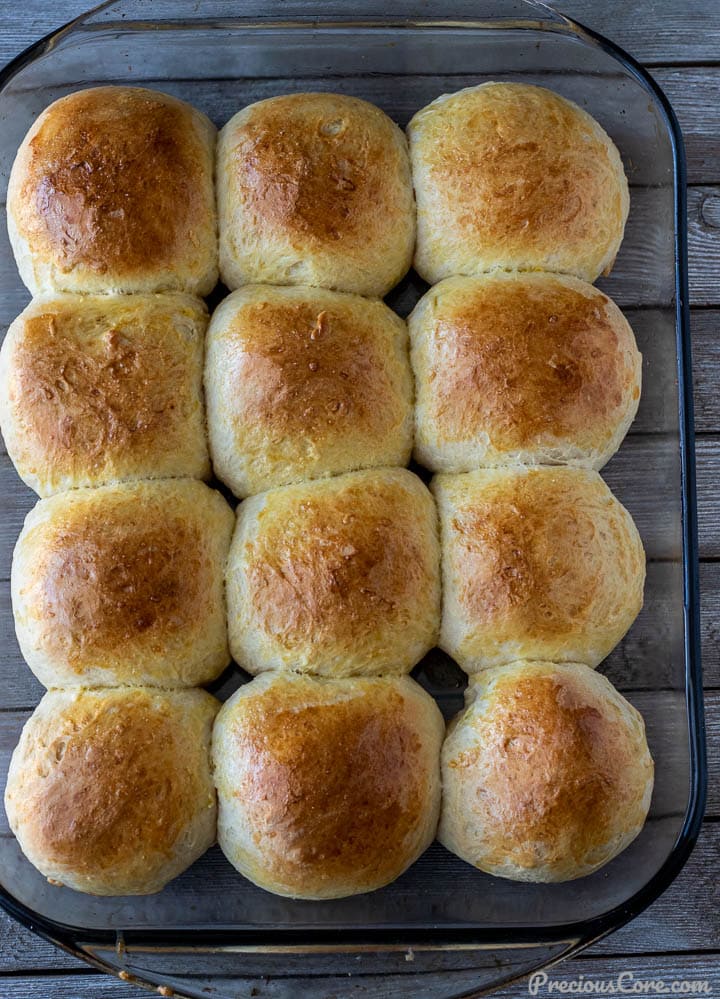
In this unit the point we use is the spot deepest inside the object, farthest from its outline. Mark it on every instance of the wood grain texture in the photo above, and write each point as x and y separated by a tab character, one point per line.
636	968
693	95
656	32
705	330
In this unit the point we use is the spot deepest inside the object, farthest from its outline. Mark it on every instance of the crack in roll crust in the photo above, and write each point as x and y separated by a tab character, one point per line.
338	577
124	584
537	564
535	369
314	189
112	190
110	791
327	788
546	774
512	176
302	383
103	389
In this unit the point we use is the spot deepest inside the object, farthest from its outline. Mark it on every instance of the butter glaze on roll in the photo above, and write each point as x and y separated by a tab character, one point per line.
314	189
514	177
101	389
326	788
338	577
124	585
532	369
537	564
112	191
302	383
110	791
546	773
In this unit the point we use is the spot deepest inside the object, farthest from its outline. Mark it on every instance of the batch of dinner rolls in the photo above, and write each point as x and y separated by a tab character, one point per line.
135	582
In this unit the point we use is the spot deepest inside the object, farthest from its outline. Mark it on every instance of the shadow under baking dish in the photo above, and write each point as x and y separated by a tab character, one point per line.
211	932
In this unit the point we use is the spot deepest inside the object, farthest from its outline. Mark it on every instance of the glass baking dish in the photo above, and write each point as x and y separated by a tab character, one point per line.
442	927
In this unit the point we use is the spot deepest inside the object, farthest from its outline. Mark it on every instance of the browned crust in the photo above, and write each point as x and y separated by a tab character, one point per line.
94	382
520	175
119	782
527	363
116	180
316	166
332	790
556	766
532	553
312	371
109	574
333	565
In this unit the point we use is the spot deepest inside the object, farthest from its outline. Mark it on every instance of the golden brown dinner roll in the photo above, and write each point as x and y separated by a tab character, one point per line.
338	577
112	190
514	177
110	791
302	383
534	369
537	564
98	389
124	584
546	774
314	189
327	788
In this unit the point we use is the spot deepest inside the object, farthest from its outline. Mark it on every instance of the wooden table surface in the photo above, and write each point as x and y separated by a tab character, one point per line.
679	936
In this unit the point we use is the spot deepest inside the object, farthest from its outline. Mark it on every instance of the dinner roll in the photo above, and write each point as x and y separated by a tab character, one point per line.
110	791
112	190
327	788
124	584
514	177
338	577
537	564
314	189
535	369
303	383
102	389
546	774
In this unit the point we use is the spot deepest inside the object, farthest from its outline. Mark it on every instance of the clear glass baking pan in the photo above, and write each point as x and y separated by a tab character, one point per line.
442	929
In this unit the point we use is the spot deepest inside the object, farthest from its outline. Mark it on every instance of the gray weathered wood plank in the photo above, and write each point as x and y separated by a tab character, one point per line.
704	244
636	968
656	32
692	91
663	31
705	328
